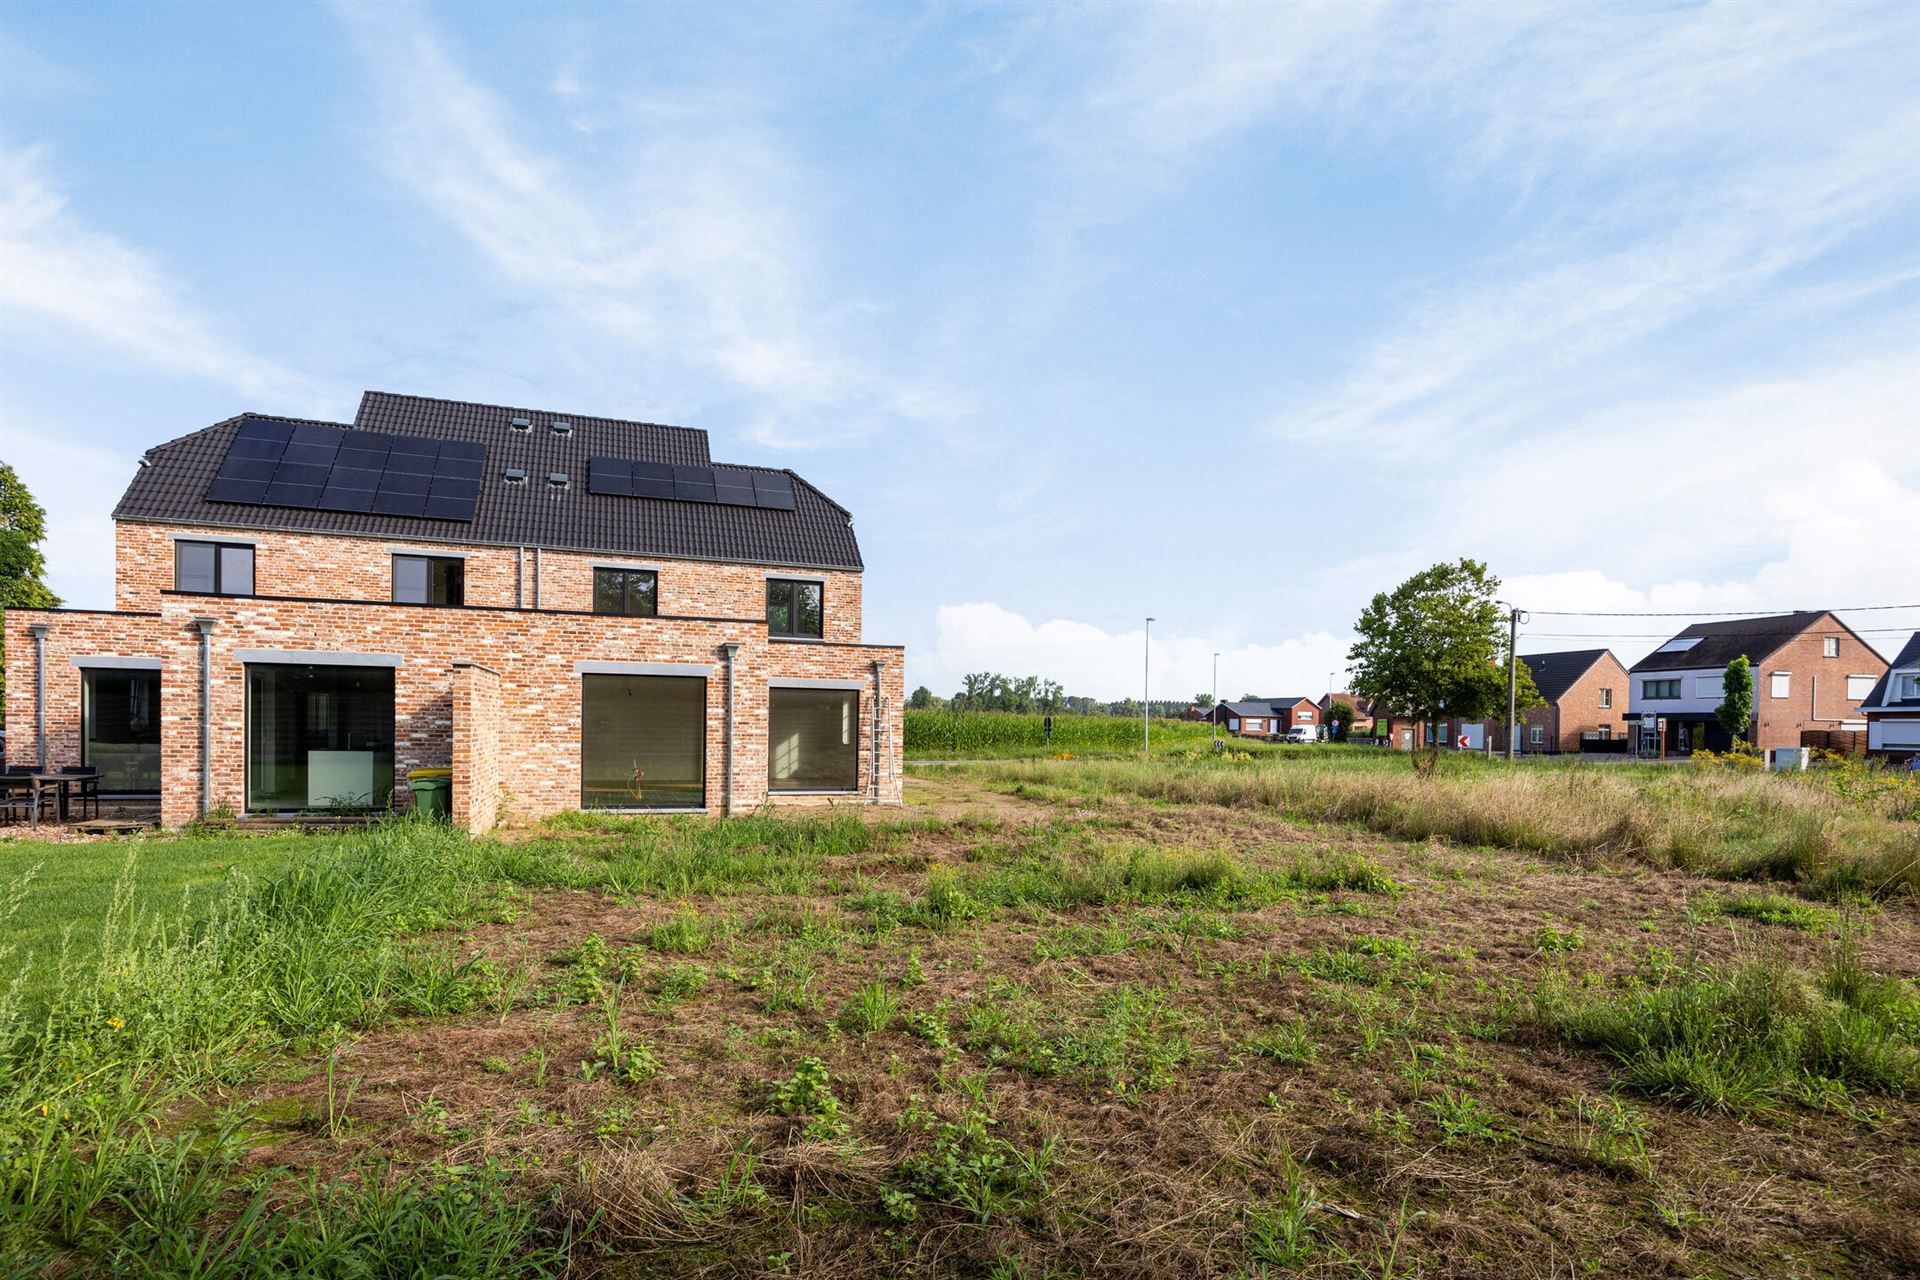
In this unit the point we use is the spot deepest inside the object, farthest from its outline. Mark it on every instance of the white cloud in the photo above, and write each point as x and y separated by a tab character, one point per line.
62	280
67	478
692	245
1090	662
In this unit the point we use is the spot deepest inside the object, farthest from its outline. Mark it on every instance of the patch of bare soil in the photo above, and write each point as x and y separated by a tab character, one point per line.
1415	1120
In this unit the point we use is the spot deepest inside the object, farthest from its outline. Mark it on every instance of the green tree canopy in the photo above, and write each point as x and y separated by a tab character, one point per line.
1340	717
1435	647
1735	712
23	527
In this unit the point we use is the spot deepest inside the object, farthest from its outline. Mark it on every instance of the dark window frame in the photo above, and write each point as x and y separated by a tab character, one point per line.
626	592
220	548
429	560
247	723
792	631
1672	683
855	728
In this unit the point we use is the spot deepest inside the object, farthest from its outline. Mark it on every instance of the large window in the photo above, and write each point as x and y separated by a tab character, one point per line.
794	607
319	737
429	580
120	728
213	568
643	742
635	592
1859	687
1906	687
1780	684
1657	689
813	740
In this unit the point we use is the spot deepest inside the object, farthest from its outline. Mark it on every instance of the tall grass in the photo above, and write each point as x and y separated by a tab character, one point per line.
1830	842
165	1008
1751	1036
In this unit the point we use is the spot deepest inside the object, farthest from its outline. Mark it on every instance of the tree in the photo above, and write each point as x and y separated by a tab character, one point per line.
1204	701
1735	712
1340	718
1432	648
922	698
23	527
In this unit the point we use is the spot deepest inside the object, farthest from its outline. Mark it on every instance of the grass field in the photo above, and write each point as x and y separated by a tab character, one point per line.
1284	1016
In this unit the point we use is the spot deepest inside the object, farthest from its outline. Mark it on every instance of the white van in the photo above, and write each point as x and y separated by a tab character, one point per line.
1302	733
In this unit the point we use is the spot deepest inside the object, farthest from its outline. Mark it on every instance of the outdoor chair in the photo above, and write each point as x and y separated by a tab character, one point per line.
86	789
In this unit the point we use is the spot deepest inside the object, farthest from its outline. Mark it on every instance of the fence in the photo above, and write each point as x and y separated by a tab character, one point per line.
1842	742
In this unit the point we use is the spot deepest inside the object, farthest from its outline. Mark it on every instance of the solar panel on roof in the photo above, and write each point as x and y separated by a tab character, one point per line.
773	490
290	464
733	486
652	480
693	484
610	475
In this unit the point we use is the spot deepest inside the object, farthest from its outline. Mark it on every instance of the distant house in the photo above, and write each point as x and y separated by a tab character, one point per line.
1892	707
1810	671
1266	717
1363	718
1585	692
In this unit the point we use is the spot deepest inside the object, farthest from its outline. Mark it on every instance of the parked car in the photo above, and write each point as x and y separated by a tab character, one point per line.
1302	733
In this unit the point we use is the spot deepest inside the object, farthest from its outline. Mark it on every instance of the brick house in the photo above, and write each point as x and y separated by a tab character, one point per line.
1892	707
1363	717
568	612
1266	717
1810	672
1585	692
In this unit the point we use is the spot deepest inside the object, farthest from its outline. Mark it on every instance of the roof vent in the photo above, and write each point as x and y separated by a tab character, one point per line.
560	428
557	479
514	475
521	424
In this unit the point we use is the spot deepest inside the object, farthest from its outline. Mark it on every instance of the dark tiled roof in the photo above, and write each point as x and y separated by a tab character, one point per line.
1262	706
1722	642
1554	673
1907	659
817	534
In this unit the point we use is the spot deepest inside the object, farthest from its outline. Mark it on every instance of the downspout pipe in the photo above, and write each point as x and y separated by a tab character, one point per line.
205	627
731	650
39	633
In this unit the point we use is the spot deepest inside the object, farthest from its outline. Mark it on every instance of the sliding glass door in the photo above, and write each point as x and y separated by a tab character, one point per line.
813	740
643	742
319	737
120	729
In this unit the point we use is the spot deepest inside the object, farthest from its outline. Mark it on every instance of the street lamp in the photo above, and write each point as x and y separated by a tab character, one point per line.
1146	694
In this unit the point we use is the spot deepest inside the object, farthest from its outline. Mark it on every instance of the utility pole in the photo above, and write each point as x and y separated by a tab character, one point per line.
1213	712
1513	677
1146	695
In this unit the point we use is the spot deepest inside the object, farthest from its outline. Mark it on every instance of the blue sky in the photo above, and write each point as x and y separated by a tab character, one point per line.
1230	315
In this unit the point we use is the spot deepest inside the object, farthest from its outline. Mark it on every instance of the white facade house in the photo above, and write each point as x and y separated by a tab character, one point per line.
1892	707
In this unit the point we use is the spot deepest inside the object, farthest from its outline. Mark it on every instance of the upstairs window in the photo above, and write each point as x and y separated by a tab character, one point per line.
1536	734
1859	687
1782	683
213	568
1830	647
633	592
795	607
1658	689
1606	698
440	580
1906	687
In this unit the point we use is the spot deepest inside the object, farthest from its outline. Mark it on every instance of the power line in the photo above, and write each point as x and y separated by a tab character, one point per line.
1718	635
1709	613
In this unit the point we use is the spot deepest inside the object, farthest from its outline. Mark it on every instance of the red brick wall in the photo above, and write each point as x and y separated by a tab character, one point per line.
70	634
476	747
533	704
1817	695
346	568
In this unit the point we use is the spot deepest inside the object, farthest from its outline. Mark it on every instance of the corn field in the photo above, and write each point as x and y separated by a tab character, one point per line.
965	733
